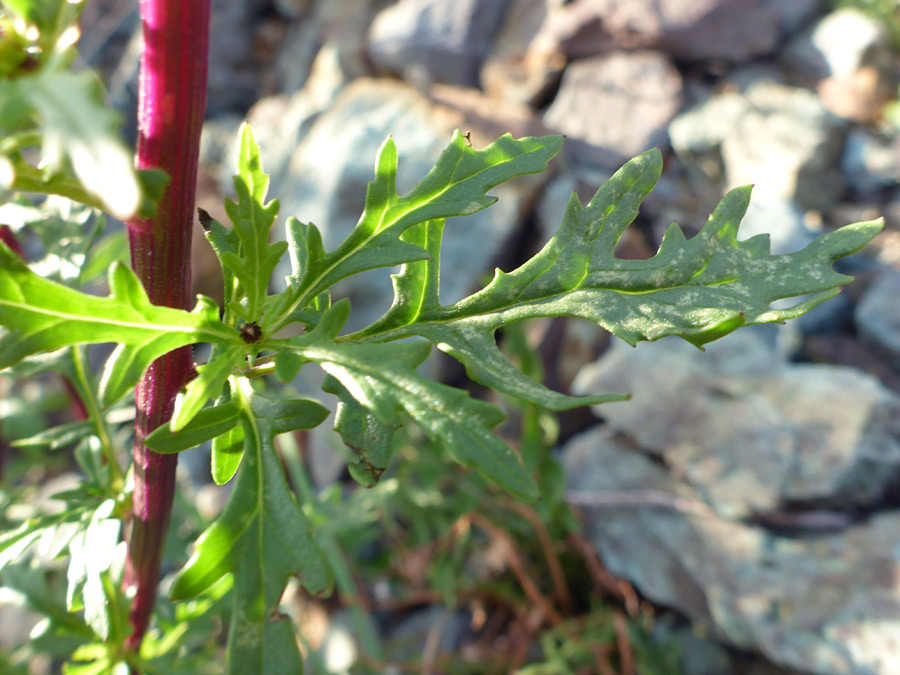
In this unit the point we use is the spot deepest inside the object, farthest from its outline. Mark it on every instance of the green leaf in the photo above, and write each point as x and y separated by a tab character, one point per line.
222	241
111	249
281	415
262	535
306	250
57	437
307	255
260	645
252	219
456	186
92	551
227	451
416	289
46	15
363	433
14	542
211	377
263	538
287	366
382	379
43	316
699	289
205	426
77	127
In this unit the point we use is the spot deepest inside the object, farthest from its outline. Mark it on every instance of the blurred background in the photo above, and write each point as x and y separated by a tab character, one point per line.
740	513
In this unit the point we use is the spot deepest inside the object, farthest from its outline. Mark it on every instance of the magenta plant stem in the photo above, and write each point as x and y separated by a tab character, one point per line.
171	105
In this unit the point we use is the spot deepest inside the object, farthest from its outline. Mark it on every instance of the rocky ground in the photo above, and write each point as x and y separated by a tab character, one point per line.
753	488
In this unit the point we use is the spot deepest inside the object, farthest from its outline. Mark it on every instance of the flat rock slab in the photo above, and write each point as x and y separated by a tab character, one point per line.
827	604
748	432
429	41
726	30
611	108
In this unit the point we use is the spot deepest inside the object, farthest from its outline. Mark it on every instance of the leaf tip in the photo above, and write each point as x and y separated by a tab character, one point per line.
205	219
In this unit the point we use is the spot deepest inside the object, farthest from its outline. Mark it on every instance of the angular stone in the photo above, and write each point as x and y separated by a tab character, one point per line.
233	79
291	9
848	57
751	433
827	603
871	162
878	312
844	39
728	30
787	145
430	41
523	65
614	107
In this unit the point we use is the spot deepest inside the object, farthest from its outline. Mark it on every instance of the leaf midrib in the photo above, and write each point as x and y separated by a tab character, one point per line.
304	298
149	327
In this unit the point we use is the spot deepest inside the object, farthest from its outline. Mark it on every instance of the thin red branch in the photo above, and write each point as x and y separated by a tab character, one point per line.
172	102
8	237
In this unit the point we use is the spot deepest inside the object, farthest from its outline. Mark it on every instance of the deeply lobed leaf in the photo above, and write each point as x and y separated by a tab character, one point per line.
252	218
456	186
43	316
382	379
262	537
699	289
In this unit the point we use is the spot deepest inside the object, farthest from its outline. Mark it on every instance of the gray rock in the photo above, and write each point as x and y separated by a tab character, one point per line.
845	38
428	41
794	15
782	220
282	121
702	656
878	311
780	139
292	9
826	604
326	181
614	107
848	57
406	641
523	66
749	433
704	126
233	79
871	162
336	26
787	145
296	56
729	30
217	142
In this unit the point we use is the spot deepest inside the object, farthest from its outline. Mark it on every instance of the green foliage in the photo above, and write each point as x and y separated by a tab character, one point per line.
45	105
699	289
43	316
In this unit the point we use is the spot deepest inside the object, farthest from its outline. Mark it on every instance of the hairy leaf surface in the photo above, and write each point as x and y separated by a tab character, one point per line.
76	127
261	520
252	219
382	379
699	289
43	316
456	186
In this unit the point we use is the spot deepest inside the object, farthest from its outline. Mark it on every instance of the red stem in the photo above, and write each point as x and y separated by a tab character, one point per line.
8	237
171	105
